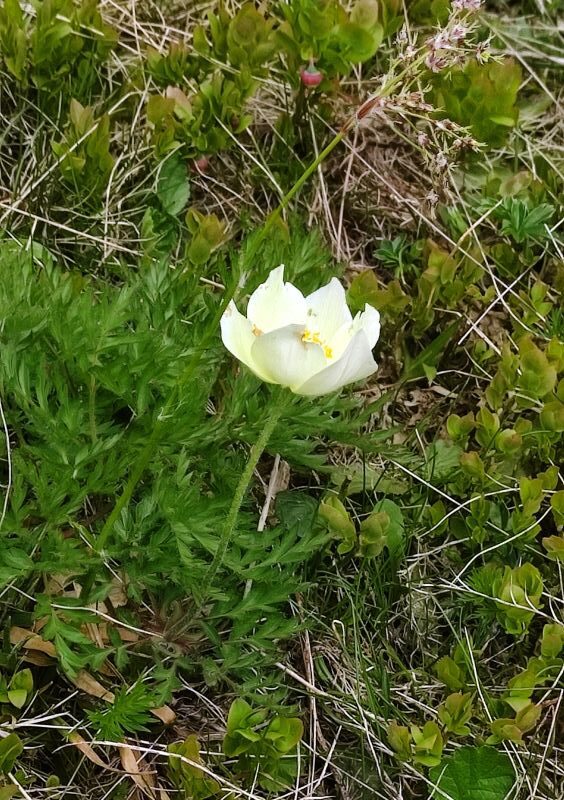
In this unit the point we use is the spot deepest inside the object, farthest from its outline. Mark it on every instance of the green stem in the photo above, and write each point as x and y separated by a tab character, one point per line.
301	180
228	529
147	452
92	409
132	481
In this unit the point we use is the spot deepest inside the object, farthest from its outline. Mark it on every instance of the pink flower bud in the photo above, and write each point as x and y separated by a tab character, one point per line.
200	164
311	76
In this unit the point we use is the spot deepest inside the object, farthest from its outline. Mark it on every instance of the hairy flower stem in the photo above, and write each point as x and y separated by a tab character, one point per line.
258	448
211	331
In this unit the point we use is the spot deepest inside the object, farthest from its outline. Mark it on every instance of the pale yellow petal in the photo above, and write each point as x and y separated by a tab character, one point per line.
285	357
355	364
237	335
369	322
276	304
327	310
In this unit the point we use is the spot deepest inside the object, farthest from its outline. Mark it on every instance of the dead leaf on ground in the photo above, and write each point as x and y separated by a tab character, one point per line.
31	641
125	634
87	750
57	583
41	652
87	683
137	770
165	714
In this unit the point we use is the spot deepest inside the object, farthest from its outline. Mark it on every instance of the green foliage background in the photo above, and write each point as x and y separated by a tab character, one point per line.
399	617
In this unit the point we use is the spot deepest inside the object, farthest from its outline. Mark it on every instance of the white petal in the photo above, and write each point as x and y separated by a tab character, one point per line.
369	322
276	304
327	310
285	357
355	364
238	337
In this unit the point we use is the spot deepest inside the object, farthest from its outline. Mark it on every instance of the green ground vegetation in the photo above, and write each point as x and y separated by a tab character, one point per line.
387	618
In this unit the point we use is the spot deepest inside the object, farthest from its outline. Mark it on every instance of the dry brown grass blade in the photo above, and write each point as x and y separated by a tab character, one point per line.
87	750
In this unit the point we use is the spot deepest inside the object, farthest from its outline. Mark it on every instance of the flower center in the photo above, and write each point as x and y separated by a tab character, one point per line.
257	331
315	338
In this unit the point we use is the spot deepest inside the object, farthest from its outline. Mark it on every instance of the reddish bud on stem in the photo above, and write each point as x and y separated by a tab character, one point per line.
311	76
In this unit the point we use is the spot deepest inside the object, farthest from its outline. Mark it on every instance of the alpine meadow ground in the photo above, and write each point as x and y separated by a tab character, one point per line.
281	533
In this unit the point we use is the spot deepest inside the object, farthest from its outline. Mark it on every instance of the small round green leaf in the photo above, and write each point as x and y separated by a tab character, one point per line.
473	773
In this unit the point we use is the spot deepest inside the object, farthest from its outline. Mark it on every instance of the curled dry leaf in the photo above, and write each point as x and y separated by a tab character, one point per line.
57	584
87	750
165	714
117	595
137	770
31	641
94	633
87	683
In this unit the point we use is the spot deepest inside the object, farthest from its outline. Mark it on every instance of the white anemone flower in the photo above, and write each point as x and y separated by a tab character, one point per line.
312	345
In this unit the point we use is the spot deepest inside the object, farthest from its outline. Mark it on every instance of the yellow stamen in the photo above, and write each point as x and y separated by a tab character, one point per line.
313	337
309	336
257	331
